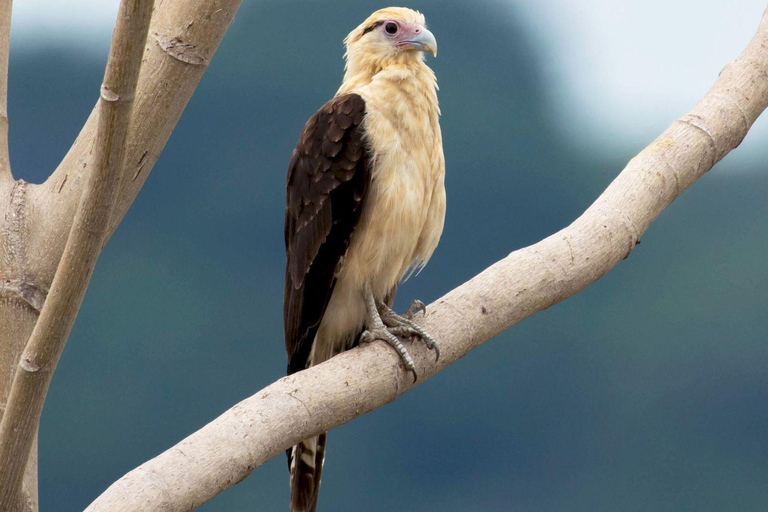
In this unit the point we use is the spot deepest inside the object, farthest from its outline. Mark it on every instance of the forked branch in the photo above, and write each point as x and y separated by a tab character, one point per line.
86	238
36	220
225	451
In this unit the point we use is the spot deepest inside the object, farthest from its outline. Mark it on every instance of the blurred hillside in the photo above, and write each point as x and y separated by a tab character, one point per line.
644	392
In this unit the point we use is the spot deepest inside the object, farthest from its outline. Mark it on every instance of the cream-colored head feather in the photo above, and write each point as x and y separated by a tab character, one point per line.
370	48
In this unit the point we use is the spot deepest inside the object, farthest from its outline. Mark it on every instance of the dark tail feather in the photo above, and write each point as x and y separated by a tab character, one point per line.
305	463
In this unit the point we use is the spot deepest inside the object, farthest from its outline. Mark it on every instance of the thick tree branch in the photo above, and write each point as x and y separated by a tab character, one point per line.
5	42
225	451
529	280
183	37
16	293
83	247
35	220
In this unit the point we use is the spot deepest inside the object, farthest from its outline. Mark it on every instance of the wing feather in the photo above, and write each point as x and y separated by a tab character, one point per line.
328	179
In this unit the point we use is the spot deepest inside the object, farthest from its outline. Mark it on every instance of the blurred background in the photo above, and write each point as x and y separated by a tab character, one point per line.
647	391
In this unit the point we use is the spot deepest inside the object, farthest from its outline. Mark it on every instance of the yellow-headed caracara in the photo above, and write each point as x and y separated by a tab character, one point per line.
365	206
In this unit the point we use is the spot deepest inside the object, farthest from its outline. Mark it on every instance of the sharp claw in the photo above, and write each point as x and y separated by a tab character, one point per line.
436	349
384	334
386	325
414	308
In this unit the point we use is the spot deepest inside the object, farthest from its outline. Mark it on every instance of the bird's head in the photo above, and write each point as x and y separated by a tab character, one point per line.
388	36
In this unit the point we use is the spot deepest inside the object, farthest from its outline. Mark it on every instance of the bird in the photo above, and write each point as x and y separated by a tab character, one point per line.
365	208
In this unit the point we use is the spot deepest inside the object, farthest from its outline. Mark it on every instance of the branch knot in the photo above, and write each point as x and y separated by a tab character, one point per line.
179	50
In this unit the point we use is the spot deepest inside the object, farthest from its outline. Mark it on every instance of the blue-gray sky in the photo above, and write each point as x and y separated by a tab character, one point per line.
619	71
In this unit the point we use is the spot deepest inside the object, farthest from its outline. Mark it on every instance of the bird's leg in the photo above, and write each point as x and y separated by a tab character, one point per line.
406	327
376	330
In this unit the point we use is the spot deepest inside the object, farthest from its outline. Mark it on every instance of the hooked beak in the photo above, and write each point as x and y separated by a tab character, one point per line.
424	41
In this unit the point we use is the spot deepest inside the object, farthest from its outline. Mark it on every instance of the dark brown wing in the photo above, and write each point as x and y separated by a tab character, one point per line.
328	178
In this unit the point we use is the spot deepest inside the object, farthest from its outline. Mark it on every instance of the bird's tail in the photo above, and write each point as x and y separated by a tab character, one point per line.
305	460
305	463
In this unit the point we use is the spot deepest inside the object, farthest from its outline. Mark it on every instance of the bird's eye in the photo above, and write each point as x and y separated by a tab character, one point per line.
391	28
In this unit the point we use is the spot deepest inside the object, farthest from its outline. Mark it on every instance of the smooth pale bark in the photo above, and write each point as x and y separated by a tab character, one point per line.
36	220
225	451
87	235
17	326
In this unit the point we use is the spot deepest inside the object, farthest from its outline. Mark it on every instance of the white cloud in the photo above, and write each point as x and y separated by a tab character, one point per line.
88	22
622	71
